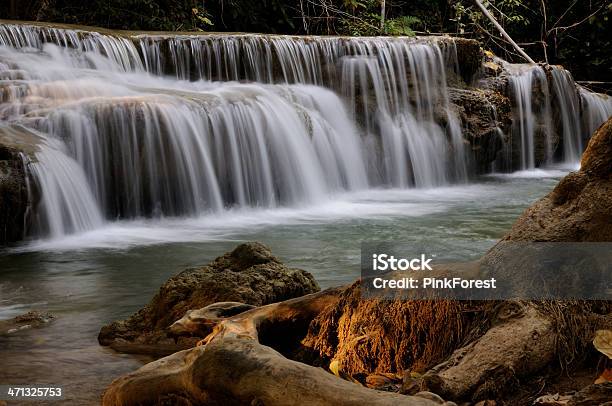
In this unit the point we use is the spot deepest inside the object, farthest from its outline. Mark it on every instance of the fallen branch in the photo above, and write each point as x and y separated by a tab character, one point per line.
503	32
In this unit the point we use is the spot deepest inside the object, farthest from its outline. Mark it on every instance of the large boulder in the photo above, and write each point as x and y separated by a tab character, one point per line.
249	274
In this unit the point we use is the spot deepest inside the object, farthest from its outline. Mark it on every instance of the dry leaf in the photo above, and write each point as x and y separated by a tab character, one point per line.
603	342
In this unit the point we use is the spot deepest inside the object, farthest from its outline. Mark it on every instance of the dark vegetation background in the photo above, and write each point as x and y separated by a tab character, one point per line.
574	33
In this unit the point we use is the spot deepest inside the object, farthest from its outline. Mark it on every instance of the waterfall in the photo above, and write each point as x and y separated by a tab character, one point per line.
67	204
123	145
550	109
414	146
136	150
529	115
597	108
138	125
567	100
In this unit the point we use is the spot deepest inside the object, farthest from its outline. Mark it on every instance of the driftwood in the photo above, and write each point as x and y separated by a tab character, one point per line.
233	367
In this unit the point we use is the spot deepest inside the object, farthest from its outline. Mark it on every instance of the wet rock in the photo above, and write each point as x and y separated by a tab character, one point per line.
250	275
580	206
25	321
485	117
16	146
469	57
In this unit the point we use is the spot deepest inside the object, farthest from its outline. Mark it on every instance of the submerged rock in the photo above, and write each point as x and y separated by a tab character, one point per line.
24	322
250	274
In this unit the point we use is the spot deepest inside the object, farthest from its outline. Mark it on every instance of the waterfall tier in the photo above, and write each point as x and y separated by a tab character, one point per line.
131	125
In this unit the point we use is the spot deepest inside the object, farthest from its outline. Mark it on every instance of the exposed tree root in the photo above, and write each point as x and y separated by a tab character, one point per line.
369	336
518	346
233	367
238	370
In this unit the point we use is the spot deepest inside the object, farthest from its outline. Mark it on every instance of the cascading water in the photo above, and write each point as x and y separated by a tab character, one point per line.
549	104
265	121
566	98
597	107
67	203
530	115
148	146
401	116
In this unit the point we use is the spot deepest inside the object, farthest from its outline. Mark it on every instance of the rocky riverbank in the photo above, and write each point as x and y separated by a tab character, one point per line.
419	353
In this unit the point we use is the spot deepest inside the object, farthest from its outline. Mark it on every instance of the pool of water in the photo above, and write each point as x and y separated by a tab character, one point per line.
90	279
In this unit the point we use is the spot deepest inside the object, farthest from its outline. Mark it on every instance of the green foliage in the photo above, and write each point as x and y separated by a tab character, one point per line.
510	14
202	16
401	25
363	18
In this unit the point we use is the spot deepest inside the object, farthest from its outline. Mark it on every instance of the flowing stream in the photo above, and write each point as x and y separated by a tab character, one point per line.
151	153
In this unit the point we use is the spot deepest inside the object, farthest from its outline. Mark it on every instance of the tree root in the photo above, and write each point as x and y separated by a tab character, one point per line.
520	345
233	367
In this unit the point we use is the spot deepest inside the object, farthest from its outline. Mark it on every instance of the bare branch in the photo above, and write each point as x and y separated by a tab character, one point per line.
581	21
503	32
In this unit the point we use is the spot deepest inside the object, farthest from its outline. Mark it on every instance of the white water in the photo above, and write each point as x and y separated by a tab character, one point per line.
598	109
375	205
530	117
547	105
322	117
148	146
139	145
567	99
401	115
